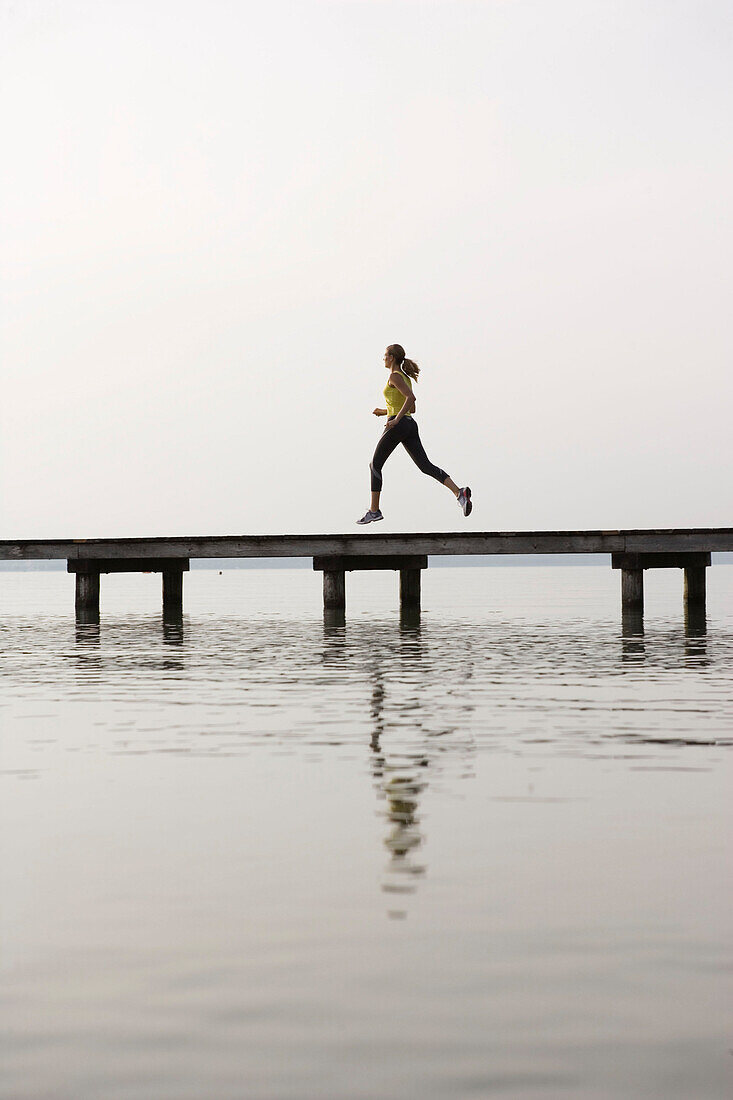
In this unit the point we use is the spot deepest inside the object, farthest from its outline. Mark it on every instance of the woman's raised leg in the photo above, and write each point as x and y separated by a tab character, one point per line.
416	451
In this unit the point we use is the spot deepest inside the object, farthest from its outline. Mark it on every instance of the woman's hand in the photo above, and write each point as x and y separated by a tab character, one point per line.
379	412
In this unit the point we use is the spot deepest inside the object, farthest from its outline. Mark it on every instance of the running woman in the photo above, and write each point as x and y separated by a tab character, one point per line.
401	428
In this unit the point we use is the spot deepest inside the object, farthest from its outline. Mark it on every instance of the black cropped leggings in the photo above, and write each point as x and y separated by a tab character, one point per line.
406	433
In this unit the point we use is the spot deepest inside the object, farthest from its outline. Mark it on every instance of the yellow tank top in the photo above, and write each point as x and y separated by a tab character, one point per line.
395	399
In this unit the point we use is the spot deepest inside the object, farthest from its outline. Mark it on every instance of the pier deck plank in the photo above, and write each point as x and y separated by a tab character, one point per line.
676	540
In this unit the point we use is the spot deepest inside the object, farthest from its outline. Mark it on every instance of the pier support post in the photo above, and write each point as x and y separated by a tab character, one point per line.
695	586
410	589
632	602
695	614
335	568
173	593
87	596
334	589
632	566
87	581
632	590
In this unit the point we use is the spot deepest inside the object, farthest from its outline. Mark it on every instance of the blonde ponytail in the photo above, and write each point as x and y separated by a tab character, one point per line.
407	366
410	368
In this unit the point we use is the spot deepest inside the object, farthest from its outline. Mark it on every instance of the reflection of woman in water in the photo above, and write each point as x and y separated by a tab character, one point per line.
402	428
399	779
413	738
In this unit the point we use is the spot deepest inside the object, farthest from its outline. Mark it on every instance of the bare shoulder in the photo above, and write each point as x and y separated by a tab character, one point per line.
397	381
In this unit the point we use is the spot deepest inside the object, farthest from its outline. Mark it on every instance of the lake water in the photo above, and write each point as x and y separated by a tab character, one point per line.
256	855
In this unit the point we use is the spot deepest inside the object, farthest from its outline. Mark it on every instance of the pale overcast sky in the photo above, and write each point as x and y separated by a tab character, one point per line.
215	215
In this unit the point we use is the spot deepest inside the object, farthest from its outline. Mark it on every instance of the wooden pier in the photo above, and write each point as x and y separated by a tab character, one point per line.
631	552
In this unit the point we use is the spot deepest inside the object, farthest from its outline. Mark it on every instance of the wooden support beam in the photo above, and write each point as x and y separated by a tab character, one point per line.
632	589
695	586
410	589
334	589
335	567
87	572
87	596
694	563
350	562
126	565
173	593
410	622
695	620
334	621
376	543
632	629
672	560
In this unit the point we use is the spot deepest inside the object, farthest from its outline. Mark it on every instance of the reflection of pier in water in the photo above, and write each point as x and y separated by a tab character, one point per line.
633	636
414	733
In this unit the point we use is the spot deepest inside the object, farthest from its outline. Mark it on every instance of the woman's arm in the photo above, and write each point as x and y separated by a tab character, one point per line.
399	383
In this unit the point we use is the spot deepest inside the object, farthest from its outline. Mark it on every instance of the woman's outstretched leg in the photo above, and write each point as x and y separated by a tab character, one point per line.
416	451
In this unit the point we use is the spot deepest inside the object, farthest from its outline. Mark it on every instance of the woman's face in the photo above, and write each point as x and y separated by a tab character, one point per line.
388	361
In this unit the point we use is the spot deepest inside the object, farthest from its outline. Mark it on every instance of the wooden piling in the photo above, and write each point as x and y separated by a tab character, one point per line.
335	566
694	600
633	564
632	590
410	589
632	629
334	589
695	585
87	572
334	621
173	592
87	596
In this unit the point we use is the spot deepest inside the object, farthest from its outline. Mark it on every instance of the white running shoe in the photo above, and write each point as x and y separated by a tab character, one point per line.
464	499
370	517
